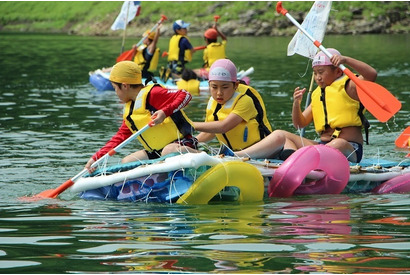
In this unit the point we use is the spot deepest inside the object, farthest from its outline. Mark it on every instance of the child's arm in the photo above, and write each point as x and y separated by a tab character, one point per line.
205	137
122	134
168	101
220	33
152	47
366	71
223	126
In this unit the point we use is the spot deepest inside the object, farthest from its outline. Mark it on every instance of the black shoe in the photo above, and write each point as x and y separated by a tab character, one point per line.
285	154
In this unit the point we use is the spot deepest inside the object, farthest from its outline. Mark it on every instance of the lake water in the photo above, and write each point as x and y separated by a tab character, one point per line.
52	120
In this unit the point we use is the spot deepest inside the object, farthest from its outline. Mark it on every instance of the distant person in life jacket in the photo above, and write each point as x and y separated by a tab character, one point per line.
147	54
189	82
142	105
336	112
180	48
214	50
235	113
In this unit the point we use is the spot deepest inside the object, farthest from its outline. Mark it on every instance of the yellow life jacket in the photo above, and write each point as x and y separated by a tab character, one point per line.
140	60
173	51
213	52
246	133
138	113
264	126
192	86
333	107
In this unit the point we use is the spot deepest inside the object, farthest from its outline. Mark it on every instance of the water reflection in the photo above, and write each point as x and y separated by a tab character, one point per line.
311	234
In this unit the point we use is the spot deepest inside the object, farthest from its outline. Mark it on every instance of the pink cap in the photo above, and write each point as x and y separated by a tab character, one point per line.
223	70
321	58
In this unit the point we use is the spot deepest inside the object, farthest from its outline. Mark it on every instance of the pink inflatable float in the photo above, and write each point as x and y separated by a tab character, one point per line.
399	184
289	178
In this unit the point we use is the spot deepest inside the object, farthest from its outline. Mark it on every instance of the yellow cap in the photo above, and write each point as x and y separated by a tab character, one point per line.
127	72
149	34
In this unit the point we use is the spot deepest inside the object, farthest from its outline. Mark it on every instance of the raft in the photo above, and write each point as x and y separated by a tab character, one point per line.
199	178
100	80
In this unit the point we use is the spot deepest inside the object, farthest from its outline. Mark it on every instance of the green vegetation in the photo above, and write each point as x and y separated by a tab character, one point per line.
95	17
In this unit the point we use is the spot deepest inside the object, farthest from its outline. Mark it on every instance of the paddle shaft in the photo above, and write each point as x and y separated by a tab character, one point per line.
352	76
163	18
70	182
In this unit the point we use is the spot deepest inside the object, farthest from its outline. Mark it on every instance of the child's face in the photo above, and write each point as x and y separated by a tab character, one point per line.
325	75
222	91
182	31
121	92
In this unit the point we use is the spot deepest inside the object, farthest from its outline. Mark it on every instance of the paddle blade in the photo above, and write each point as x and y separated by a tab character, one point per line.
403	141
377	100
50	193
46	194
127	55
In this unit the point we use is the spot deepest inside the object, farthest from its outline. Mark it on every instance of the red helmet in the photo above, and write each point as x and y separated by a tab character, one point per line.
211	34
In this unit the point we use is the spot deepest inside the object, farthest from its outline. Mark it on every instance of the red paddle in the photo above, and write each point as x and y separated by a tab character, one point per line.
216	18
53	193
165	53
127	55
403	141
375	98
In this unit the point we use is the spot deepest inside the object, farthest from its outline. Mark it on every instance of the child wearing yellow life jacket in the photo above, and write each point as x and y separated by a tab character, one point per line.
235	114
189	82
142	105
214	50
147	55
336	111
180	49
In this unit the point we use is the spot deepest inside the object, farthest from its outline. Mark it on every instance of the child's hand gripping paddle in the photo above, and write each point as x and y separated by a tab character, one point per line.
375	98
53	193
127	55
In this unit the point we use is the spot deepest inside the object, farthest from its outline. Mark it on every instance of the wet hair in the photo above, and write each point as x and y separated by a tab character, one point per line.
188	74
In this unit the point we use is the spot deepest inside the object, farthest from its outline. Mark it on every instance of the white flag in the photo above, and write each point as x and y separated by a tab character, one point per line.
315	24
133	8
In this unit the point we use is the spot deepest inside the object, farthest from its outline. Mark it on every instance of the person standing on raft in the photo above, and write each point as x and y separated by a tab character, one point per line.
180	50
142	105
335	110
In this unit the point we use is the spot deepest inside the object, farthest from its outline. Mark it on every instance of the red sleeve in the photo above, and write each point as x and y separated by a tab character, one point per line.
170	101
122	134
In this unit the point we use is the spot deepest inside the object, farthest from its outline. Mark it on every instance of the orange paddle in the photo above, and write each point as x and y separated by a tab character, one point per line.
375	98
53	193
403	141
127	55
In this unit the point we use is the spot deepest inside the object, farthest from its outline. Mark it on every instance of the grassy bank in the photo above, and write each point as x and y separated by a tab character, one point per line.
96	17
